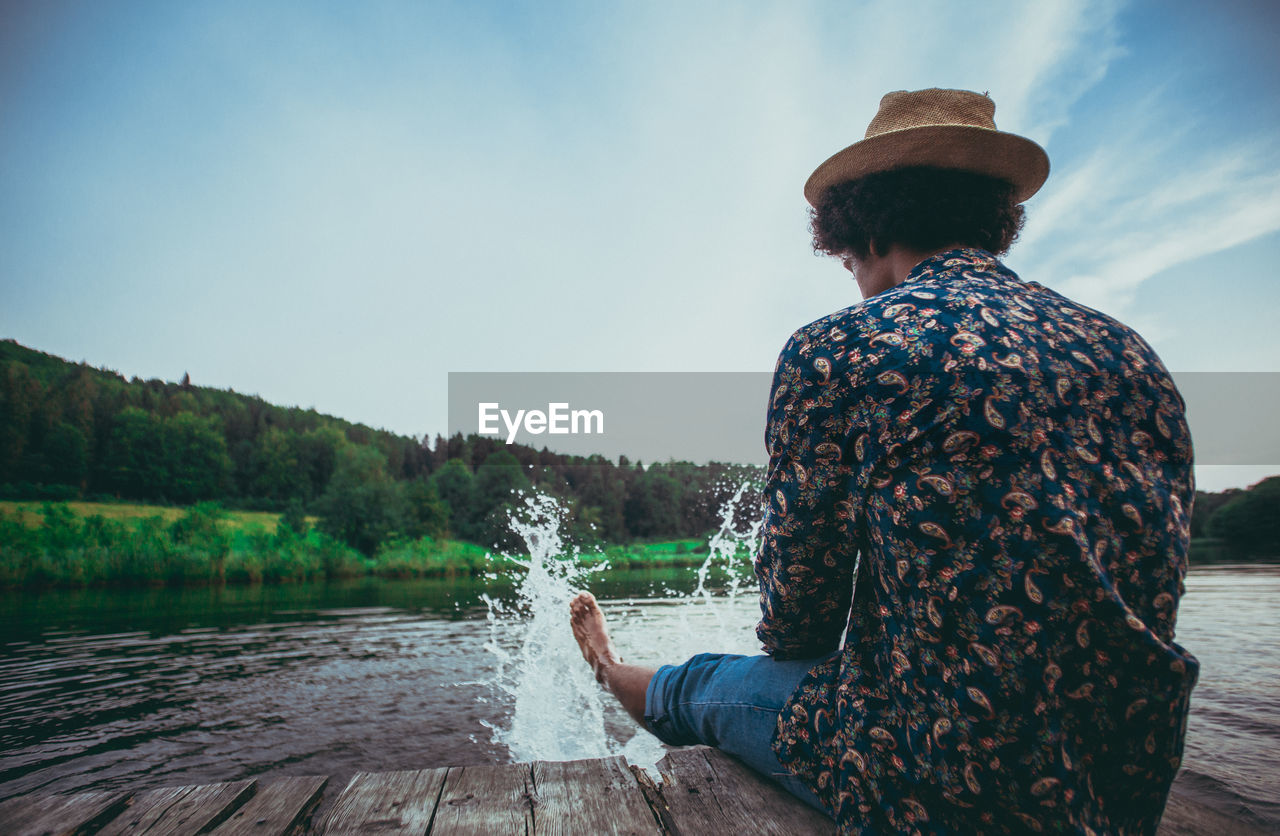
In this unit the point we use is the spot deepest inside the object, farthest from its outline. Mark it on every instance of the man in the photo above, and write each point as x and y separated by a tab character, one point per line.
976	528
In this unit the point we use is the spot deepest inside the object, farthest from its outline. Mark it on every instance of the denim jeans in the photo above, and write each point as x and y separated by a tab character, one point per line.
730	702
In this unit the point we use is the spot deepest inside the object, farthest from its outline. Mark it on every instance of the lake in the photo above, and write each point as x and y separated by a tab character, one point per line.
107	689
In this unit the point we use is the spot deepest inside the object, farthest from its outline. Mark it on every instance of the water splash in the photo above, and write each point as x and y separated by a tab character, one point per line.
730	552
559	712
558	708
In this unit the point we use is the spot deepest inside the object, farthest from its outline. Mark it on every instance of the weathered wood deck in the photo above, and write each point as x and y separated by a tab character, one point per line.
702	792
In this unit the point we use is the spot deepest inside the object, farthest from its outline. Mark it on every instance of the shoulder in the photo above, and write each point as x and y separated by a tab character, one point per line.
850	360
906	325
960	311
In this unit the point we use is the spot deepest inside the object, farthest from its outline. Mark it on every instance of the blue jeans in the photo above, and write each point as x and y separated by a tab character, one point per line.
730	702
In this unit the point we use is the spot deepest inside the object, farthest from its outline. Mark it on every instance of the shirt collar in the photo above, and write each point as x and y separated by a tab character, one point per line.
959	258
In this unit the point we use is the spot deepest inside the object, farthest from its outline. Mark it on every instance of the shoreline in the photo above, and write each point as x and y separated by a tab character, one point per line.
128	546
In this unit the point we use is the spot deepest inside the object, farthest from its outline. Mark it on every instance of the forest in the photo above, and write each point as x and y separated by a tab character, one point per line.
71	431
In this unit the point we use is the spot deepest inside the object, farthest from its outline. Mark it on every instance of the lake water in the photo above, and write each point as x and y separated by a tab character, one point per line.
130	689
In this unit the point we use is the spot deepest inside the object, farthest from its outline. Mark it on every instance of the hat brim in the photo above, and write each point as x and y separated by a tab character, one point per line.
965	147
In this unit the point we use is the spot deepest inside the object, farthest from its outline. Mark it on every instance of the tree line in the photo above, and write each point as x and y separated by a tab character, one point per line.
68	431
72	431
1245	522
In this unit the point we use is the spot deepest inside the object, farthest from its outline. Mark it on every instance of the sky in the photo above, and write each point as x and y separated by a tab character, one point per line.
335	205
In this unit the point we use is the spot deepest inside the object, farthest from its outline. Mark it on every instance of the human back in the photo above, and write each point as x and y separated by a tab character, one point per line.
1018	480
979	490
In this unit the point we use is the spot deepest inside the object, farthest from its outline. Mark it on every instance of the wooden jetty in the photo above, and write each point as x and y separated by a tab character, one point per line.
701	792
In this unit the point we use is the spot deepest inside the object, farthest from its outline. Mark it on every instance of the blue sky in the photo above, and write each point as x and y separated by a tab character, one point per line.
336	204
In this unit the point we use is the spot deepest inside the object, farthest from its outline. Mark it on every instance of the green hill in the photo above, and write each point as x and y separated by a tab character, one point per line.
69	431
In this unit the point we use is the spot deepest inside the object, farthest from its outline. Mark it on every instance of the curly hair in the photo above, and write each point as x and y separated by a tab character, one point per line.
919	208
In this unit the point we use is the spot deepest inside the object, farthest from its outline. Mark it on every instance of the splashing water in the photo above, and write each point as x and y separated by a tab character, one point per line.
559	712
558	706
730	550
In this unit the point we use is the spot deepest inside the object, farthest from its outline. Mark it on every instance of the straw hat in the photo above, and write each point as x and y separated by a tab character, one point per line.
941	128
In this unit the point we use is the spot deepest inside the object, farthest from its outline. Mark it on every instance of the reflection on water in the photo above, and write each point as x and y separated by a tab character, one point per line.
111	689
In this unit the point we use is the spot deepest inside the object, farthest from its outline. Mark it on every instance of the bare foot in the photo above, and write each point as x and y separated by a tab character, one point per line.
593	638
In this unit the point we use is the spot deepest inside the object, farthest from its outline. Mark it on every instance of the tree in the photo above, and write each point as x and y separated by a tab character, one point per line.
455	486
76	400
497	481
1250	523
67	454
653	508
20	393
294	518
602	491
195	456
318	456
362	506
1206	505
275	472
428	514
133	465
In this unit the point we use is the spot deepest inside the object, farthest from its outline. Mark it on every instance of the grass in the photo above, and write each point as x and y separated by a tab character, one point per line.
429	557
72	544
665	553
32	513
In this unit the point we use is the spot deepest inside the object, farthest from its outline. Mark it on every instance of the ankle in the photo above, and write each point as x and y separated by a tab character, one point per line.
604	666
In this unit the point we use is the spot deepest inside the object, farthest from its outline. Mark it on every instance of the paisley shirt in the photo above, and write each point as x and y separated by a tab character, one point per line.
979	493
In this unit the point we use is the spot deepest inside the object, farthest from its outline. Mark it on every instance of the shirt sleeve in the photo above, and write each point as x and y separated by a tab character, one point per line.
808	549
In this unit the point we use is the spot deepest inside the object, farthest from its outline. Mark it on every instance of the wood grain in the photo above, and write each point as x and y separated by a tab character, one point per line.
177	811
709	793
387	803
277	808
589	797
57	815
703	792
483	800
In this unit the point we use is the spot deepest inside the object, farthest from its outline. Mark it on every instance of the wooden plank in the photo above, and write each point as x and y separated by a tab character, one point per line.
277	808
387	803
54	815
709	792
653	795
177	811
483	800
589	797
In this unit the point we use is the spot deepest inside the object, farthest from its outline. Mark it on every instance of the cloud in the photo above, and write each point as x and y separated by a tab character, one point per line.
1148	199
1046	56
